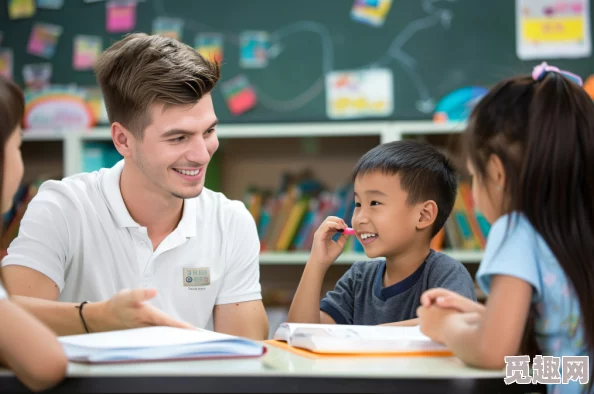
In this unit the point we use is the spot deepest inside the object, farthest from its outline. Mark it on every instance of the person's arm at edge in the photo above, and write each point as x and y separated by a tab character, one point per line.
30	349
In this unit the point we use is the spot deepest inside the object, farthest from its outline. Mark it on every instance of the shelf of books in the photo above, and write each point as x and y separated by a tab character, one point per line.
288	218
348	258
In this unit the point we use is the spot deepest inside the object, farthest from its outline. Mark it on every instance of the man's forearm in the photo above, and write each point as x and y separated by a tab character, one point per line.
305	307
63	317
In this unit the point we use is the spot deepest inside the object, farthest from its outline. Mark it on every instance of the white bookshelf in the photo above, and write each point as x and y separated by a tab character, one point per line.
74	141
386	131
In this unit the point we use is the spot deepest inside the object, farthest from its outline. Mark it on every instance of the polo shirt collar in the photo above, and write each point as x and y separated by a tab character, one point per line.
187	224
113	194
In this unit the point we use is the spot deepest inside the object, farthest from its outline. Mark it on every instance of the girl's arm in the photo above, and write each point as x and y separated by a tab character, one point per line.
30	349
497	332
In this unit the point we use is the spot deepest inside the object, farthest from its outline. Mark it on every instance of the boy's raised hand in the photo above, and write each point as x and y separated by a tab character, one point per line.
324	250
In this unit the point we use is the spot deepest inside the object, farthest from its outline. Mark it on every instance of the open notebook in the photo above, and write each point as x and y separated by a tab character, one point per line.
350	339
156	344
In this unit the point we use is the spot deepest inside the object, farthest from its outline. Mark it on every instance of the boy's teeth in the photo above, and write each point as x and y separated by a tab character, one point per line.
368	235
186	172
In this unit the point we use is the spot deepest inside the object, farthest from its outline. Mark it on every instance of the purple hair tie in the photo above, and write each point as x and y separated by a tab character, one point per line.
543	68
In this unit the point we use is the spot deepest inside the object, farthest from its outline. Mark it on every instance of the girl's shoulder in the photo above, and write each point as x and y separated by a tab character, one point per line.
514	248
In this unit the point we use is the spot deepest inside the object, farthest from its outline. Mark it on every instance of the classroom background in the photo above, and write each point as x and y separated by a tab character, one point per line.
308	87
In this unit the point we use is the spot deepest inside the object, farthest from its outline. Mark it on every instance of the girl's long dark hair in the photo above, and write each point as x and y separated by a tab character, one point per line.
543	132
12	107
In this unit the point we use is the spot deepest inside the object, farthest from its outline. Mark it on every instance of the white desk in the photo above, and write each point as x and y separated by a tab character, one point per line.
280	371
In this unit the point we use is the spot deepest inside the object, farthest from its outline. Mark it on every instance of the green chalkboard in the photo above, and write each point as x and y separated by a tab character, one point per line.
431	46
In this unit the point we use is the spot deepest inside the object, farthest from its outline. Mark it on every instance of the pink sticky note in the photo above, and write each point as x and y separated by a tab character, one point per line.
121	16
86	51
242	102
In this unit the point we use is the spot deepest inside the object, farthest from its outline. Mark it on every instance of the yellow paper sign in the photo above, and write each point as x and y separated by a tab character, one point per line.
561	29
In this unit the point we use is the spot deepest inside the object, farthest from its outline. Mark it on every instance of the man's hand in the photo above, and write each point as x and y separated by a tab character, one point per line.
128	309
448	299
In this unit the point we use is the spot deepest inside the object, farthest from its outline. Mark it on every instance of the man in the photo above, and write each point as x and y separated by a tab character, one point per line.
147	223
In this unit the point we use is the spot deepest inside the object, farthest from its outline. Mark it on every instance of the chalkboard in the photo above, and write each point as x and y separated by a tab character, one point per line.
431	46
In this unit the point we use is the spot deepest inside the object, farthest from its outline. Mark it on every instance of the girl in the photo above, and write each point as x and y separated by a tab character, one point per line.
530	144
26	346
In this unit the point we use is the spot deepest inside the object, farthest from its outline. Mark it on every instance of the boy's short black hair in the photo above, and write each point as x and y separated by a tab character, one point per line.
425	173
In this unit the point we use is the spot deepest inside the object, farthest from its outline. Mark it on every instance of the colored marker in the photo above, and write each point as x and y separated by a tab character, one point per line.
348	231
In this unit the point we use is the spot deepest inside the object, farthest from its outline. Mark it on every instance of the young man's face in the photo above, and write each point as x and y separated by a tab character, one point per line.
177	147
381	209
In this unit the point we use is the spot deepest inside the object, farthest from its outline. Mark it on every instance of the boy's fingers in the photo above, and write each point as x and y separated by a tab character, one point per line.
334	218
341	241
333	226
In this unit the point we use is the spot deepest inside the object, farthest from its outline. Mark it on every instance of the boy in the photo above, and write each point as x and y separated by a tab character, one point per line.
404	192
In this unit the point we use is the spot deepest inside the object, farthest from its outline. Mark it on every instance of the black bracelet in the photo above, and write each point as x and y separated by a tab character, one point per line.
80	308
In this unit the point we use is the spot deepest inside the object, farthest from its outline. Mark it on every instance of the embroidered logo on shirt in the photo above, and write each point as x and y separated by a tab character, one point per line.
194	277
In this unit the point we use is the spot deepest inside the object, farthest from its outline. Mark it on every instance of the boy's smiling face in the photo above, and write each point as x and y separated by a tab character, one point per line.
382	211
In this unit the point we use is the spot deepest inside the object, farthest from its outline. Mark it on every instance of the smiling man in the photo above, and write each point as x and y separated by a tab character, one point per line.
148	223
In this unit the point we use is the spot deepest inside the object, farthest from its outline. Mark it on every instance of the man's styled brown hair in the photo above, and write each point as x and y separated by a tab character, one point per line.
140	70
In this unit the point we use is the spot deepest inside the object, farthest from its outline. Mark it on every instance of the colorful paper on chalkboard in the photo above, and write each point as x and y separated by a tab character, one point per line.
57	107
210	46
86	51
120	16
50	4
37	76
19	9
43	39
239	94
94	99
371	12
168	27
457	105
253	49
6	62
359	94
548	29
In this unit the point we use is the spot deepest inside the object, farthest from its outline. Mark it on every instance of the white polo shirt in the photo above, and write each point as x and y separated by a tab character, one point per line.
79	233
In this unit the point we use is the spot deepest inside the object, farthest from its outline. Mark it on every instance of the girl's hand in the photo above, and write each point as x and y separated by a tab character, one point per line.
448	299
433	320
